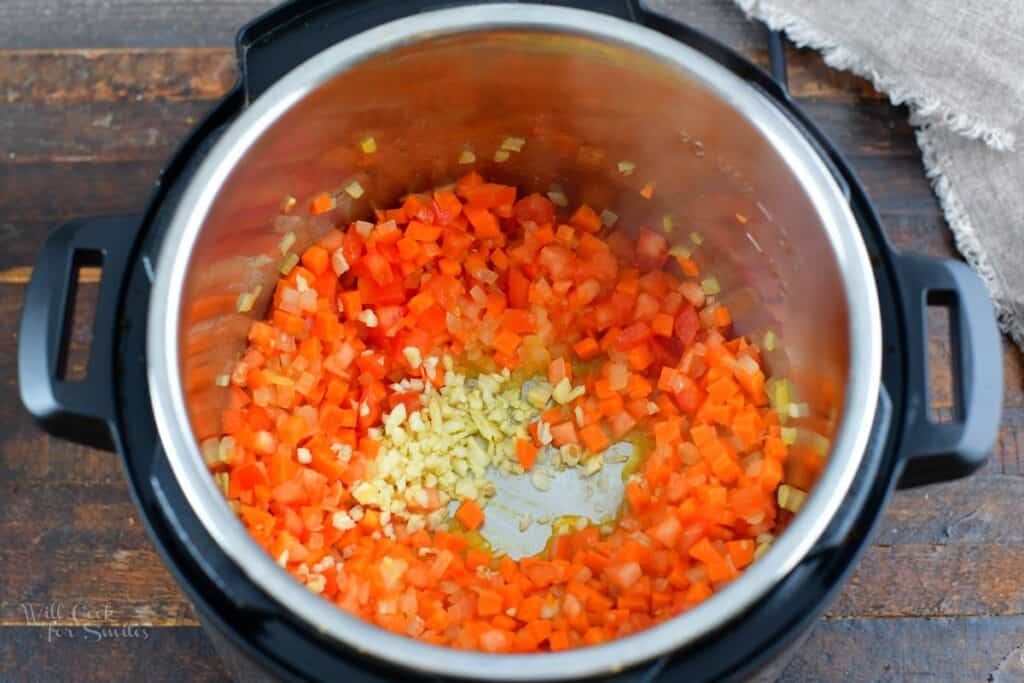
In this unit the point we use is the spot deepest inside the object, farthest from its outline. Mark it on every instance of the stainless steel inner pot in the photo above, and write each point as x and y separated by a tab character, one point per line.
586	91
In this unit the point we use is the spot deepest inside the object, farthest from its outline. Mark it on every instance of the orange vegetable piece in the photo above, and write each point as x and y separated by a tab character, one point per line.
526	453
316	259
586	348
594	438
470	514
322	203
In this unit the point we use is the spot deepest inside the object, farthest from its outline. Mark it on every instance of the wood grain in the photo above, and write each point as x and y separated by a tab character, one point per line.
39	654
73	76
903	650
97	132
49	24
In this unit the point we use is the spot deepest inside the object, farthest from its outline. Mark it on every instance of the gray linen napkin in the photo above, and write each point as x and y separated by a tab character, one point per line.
959	66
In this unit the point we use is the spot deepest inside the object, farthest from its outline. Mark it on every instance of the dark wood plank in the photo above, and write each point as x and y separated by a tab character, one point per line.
722	21
99	132
873	128
38	653
48	192
973	510
933	580
111	75
48	24
810	77
1008	454
132	580
904	650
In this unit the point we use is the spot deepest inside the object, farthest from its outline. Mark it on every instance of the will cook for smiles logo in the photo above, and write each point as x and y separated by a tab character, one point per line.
93	623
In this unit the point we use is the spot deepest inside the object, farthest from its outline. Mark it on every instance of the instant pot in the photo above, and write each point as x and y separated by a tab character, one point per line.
783	222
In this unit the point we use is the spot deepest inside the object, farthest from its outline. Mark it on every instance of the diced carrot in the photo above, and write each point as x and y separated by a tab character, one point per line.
564	433
594	438
488	603
586	348
662	324
316	259
470	514
526	453
507	342
483	221
585	219
352	302
322	203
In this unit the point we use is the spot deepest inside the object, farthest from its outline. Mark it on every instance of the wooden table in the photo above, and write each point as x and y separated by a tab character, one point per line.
94	95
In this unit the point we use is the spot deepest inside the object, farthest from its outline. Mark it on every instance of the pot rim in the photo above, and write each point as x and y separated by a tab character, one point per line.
210	506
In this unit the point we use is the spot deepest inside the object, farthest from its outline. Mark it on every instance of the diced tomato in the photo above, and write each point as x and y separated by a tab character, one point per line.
687	325
651	250
534	208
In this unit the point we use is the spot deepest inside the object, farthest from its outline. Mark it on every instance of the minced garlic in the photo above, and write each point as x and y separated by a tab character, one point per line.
464	428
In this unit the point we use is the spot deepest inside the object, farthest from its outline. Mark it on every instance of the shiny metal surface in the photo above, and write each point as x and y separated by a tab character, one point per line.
586	91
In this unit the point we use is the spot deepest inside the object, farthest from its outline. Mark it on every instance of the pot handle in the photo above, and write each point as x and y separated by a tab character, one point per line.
79	411
944	451
279	40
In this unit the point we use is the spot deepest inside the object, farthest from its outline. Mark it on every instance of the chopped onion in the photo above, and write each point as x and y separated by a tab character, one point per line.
558	198
769	341
245	302
609	218
279	380
626	167
788	435
697	238
467	156
307	300
666	223
679	251
513	144
369	145
790	498
354	190
222	380
501	156
291	301
286	243
799	410
779	395
226	451
820	443
338	262
288	204
710	286
364	228
748	365
210	449
479	295
290	261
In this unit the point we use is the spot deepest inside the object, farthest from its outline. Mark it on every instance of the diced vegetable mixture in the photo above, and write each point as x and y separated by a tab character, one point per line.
471	330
